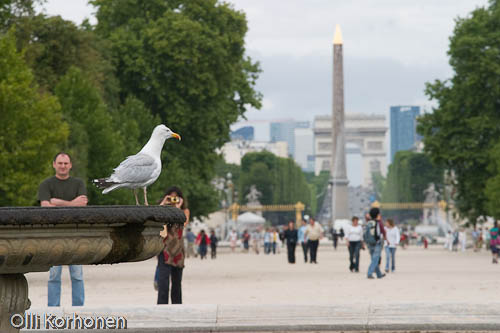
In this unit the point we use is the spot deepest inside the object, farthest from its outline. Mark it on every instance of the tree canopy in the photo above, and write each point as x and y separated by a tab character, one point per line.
464	128
185	61
181	63
408	177
31	128
279	180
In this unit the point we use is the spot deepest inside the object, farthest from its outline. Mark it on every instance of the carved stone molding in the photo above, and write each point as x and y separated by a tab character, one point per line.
34	239
80	235
39	254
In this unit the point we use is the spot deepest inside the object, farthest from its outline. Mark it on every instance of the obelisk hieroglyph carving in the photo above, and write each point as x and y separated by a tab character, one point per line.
340	194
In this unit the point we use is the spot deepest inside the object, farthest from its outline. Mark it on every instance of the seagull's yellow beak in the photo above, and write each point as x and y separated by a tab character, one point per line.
177	136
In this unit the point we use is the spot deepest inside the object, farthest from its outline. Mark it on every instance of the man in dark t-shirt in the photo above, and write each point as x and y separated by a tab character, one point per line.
59	191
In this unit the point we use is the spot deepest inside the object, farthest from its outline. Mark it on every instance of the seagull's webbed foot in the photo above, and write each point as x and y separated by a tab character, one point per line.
145	197
135	195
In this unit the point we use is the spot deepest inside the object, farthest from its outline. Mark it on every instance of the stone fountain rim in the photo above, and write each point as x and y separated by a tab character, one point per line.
90	215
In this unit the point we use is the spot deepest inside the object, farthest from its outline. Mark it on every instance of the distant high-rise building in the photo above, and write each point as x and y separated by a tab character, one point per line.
403	128
244	133
285	131
304	148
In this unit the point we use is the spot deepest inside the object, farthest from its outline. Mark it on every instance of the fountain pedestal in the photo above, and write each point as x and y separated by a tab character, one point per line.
32	239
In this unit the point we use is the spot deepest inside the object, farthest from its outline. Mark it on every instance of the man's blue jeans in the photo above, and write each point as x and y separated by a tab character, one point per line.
390	256
375	252
77	289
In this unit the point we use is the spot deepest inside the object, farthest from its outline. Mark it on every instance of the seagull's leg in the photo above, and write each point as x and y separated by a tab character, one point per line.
145	196
135	195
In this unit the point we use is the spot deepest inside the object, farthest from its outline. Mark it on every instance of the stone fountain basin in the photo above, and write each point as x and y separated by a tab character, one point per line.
32	239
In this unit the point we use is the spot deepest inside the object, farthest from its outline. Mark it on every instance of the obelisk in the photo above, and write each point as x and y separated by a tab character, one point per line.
340	194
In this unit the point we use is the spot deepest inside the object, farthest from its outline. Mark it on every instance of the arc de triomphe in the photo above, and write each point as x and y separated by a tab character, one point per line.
365	131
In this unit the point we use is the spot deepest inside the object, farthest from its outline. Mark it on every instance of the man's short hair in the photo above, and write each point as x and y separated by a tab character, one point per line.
62	153
354	218
374	212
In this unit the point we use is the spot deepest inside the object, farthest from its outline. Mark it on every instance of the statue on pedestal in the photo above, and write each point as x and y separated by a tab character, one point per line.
431	197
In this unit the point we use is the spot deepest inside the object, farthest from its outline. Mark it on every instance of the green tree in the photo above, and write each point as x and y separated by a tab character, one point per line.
318	186
379	182
280	181
31	129
185	60
14	11
408	177
465	125
53	45
260	176
492	190
95	142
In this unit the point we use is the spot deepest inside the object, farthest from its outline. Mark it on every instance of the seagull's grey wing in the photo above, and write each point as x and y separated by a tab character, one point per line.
134	169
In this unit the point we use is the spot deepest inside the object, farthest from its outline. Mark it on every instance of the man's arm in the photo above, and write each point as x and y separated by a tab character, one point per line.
79	201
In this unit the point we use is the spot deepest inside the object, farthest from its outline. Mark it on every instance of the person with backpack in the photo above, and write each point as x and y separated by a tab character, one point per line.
374	237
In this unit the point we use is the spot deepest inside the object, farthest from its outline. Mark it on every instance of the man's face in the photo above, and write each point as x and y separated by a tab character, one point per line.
311	221
62	166
355	222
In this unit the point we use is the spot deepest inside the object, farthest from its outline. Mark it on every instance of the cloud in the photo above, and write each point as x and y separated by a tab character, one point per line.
301	87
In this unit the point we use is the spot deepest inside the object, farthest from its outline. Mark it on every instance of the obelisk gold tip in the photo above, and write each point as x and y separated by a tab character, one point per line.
337	39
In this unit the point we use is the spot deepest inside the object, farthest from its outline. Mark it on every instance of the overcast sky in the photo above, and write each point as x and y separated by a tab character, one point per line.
391	48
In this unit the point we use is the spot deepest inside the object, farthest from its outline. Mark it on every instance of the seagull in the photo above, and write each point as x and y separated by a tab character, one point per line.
139	170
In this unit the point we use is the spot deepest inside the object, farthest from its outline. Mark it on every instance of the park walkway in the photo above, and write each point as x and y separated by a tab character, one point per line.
432	290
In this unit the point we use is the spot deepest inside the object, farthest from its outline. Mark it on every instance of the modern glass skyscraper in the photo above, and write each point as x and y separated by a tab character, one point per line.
285	131
403	128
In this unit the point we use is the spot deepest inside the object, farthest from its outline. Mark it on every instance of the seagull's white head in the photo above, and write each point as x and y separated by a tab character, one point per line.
164	132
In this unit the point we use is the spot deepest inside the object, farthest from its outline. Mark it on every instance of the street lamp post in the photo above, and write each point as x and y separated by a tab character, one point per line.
229	190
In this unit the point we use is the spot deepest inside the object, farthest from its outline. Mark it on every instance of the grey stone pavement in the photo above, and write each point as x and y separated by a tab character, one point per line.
432	290
365	317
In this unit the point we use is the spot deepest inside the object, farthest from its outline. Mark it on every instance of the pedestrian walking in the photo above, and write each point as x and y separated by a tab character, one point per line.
354	240
233	238
267	241
256	241
202	240
246	240
62	190
213	244
448	244
462	237
275	238
335	237
314	232
475	238
456	241
393	237
302	239
190	238
480	239
374	237
291	238
495	242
